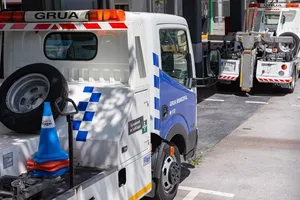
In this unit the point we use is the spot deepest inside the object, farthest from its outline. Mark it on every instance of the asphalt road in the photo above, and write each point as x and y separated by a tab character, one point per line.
224	111
243	158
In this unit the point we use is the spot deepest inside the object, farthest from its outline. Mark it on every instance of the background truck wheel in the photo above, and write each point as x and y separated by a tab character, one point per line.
294	48
292	84
169	180
23	94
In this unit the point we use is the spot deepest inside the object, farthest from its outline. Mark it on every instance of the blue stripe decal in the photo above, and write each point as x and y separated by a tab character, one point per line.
81	136
76	125
156	81
156	103
88	89
88	115
95	97
82	106
156	124
155	60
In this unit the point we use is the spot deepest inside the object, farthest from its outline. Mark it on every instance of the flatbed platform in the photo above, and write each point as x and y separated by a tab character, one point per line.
84	176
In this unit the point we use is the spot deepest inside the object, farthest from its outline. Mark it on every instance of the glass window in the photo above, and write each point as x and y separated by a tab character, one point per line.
271	19
70	46
174	49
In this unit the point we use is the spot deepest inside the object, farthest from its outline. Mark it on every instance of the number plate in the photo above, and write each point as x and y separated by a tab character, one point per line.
229	66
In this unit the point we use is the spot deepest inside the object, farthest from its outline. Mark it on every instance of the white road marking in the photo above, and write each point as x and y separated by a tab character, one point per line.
191	195
194	190
219	100
295	105
257	102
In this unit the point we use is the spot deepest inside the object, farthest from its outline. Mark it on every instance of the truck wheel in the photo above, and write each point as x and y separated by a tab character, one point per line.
23	94
292	84
294	49
168	183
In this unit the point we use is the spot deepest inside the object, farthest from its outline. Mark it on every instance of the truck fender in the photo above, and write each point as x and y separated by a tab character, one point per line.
179	129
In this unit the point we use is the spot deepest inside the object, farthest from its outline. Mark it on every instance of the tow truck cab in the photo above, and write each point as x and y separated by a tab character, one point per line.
136	100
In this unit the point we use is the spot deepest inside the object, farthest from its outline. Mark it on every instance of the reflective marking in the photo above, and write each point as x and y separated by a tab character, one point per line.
257	102
194	190
220	100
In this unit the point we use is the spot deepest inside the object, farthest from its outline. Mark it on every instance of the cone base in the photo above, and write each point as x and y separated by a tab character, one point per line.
48	166
40	173
40	158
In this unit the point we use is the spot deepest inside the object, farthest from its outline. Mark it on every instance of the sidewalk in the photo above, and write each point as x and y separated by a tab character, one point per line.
260	160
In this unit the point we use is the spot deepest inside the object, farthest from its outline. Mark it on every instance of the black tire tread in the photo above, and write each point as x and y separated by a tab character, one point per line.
160	194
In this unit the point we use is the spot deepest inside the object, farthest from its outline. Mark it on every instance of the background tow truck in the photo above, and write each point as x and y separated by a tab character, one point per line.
266	51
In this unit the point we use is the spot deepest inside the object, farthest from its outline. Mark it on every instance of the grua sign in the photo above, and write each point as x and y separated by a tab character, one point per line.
57	16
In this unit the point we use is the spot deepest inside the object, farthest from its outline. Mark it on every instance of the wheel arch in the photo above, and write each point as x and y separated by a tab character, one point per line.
176	135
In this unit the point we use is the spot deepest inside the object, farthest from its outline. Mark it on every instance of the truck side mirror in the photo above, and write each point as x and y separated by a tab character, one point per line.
214	56
282	19
189	65
215	61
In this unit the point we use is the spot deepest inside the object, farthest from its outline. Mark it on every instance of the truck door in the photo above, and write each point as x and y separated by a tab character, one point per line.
177	99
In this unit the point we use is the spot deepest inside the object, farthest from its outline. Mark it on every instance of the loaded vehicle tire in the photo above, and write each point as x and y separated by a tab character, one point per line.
23	94
167	184
292	84
295	46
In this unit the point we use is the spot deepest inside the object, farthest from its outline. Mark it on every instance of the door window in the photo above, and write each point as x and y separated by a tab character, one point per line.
174	49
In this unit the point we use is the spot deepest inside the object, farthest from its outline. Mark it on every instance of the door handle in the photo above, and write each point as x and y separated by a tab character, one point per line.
164	112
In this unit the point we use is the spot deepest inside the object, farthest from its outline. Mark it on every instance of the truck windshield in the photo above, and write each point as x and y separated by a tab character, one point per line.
271	19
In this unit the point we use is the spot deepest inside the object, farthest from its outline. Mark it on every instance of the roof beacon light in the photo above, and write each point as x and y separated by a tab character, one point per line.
272	5
62	16
106	15
292	5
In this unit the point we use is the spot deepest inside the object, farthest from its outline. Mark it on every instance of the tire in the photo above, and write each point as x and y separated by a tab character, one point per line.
292	85
161	192
295	47
41	82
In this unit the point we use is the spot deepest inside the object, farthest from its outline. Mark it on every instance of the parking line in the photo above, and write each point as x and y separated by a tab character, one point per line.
257	102
219	100
295	105
194	190
191	195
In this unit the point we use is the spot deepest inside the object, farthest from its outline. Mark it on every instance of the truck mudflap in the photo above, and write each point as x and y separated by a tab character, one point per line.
229	70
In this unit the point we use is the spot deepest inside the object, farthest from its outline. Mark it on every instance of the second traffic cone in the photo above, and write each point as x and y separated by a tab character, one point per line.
49	146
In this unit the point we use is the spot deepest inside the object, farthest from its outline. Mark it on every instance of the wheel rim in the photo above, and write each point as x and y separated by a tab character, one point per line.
27	93
170	174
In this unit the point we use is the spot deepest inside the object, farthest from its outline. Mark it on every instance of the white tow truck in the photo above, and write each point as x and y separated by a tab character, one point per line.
122	105
266	51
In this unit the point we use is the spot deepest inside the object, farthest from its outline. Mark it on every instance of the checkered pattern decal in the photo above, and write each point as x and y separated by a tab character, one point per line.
87	109
156	84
